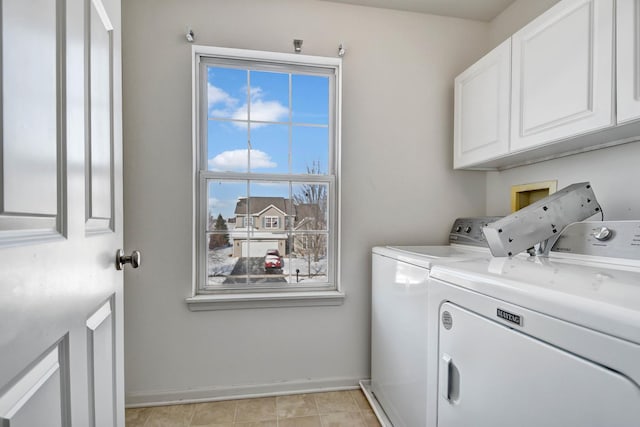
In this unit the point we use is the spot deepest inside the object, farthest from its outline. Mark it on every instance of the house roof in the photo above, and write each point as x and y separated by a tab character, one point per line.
258	204
308	210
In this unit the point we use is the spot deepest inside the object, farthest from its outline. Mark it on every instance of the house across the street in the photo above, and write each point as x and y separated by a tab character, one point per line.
263	223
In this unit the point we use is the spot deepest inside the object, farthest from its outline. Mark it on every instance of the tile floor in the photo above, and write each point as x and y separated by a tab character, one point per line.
330	409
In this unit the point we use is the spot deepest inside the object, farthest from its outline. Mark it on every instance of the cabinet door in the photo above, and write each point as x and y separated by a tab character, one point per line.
628	59
562	73
481	116
493	375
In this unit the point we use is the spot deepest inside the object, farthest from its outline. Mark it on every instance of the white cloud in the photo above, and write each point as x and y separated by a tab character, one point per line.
236	160
221	104
266	111
217	96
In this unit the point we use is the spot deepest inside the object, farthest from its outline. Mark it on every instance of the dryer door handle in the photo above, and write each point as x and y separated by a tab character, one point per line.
445	377
449	379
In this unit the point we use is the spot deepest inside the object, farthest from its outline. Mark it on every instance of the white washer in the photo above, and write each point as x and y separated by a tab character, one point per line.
551	342
398	387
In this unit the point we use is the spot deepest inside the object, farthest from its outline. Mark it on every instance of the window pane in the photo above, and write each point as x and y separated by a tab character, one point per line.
308	262
224	198
310	204
220	260
227	93
269	148
227	146
225	223
310	150
269	96
310	99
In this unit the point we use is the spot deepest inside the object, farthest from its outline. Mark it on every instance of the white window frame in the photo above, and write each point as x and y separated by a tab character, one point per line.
269	220
330	294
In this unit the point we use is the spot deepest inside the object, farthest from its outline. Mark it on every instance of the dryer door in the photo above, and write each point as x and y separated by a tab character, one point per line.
492	375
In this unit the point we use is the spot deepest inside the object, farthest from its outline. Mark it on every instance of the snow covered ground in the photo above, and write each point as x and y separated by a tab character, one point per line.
318	270
220	263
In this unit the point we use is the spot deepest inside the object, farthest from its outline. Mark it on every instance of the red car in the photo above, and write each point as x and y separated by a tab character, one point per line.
273	260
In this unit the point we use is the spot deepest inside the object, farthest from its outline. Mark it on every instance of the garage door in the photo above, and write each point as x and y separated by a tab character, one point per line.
258	247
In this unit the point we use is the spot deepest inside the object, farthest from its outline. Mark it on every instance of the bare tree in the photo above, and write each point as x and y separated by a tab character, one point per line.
310	203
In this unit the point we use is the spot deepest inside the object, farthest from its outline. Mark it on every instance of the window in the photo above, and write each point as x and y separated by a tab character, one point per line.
271	221
267	144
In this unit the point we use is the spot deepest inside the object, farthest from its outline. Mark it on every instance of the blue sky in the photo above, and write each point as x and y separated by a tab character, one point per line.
303	120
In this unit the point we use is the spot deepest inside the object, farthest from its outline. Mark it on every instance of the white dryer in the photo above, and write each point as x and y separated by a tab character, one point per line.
398	386
533	342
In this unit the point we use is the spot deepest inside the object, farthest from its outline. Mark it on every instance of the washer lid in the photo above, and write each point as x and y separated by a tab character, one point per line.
602	297
426	256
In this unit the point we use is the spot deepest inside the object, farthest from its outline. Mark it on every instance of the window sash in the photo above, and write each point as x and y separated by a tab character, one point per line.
203	116
330	232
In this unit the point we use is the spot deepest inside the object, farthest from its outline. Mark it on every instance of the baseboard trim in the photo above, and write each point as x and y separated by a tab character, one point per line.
212	394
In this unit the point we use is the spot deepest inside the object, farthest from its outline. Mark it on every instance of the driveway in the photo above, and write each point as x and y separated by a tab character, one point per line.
254	267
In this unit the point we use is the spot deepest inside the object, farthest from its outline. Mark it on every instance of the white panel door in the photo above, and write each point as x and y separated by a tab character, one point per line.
61	355
481	112
628	59
562	74
492	375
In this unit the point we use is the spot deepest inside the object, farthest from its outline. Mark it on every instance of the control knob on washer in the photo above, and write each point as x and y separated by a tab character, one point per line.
602	234
467	230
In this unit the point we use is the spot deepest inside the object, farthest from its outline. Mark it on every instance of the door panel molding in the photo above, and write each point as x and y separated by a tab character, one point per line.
563	74
42	389
587	108
99	131
101	366
628	60
32	206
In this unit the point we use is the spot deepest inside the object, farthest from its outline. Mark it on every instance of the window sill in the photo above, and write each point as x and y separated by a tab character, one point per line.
264	300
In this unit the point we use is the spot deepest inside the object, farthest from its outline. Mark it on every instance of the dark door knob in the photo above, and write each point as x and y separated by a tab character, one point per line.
135	259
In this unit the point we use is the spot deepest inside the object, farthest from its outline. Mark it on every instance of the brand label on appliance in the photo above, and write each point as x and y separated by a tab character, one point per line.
447	320
510	317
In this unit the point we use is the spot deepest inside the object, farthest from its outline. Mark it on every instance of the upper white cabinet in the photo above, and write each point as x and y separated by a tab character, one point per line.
573	86
562	73
628	59
481	117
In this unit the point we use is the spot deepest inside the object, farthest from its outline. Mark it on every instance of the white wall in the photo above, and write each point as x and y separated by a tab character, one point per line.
397	181
611	171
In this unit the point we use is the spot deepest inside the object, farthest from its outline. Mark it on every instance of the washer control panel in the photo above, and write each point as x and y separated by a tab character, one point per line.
468	231
613	239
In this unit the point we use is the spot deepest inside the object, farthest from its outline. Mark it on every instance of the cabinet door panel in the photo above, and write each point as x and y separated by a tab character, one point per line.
628	59
562	78
481	120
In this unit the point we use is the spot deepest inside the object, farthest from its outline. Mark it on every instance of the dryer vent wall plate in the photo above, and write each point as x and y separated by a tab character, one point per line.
542	220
